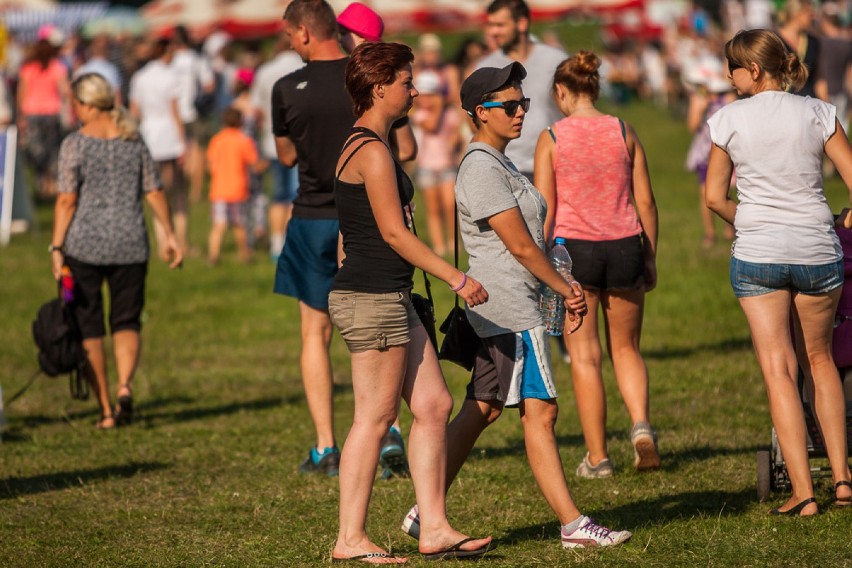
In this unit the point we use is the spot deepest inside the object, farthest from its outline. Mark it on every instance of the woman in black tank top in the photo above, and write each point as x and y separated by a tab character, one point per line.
380	255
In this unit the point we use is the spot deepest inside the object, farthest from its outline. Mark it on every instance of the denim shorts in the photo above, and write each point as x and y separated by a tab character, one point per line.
285	182
755	279
370	321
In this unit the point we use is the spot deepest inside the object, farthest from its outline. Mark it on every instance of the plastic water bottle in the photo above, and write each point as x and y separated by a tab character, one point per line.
552	305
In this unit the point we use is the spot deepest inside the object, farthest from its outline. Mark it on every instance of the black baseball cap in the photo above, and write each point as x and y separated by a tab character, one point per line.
487	80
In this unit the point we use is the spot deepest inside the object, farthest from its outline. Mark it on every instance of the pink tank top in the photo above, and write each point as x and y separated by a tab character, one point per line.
593	180
43	96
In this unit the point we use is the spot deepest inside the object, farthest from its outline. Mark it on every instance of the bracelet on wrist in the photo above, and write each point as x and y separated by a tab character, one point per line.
55	248
461	285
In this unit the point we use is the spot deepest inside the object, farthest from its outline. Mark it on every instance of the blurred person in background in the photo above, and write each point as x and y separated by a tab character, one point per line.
795	21
438	131
195	77
154	96
43	99
508	25
99	233
285	181
97	61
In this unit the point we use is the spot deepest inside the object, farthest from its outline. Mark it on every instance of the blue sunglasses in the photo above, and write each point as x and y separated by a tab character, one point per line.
511	107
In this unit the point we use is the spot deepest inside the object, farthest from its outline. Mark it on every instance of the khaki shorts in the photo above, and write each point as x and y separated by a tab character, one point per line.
372	321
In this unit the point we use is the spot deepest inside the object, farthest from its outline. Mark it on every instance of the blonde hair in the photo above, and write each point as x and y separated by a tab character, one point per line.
770	53
579	74
92	89
791	9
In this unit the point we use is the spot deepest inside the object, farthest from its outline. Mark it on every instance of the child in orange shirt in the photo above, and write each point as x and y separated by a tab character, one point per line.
230	155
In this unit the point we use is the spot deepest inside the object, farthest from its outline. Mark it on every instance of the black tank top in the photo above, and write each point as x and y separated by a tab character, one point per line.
371	265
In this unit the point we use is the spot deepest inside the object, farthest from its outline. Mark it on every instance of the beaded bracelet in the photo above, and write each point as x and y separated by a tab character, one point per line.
460	286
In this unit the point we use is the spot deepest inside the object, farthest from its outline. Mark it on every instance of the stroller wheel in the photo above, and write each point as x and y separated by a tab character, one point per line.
763	475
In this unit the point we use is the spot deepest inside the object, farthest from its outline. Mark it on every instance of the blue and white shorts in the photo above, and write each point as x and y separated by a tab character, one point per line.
511	367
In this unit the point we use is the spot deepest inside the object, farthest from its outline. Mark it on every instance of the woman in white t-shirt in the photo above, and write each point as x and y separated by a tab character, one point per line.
786	254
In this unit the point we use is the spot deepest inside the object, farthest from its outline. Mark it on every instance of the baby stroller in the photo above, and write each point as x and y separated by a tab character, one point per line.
771	468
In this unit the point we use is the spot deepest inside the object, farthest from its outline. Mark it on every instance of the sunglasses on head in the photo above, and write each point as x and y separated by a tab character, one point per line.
733	67
511	107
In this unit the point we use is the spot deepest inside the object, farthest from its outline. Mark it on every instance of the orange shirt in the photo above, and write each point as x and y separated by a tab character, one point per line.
229	156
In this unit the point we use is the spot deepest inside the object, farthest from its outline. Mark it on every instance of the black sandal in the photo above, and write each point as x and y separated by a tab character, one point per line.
846	501
795	511
124	412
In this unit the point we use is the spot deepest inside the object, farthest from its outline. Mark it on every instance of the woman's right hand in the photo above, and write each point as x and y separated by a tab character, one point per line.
57	260
472	292
844	219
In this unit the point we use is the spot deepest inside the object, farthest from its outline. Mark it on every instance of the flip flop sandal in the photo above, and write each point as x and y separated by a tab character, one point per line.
455	551
365	558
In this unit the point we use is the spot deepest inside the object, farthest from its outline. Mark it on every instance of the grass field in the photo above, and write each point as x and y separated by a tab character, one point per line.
208	475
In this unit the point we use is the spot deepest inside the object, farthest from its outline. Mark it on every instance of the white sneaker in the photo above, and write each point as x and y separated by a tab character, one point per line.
589	471
411	523
590	535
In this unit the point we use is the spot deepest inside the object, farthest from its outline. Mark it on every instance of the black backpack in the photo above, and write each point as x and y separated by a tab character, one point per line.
60	345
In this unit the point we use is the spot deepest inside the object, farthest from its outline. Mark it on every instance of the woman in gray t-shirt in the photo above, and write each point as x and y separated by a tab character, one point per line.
99	233
501	216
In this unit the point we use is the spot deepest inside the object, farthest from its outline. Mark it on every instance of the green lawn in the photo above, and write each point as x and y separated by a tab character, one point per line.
208	475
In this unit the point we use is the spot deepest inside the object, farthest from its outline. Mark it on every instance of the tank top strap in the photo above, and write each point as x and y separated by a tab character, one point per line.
359	133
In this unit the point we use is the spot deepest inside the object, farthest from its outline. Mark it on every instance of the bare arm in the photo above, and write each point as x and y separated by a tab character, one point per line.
376	168
510	227
286	151
695	112
545	179
160	208
63	213
403	143
646	207
178	122
718	183
839	152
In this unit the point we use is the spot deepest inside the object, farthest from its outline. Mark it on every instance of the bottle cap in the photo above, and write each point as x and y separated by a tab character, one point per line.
559	241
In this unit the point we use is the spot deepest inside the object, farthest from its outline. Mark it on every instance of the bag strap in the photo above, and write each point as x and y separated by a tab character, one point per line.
426	282
360	133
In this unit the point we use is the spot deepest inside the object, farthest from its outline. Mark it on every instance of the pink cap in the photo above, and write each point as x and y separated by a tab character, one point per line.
362	21
245	75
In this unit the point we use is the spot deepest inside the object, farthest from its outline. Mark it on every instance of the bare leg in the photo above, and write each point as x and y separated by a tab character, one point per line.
316	372
768	318
623	311
434	223
539	419
279	216
195	170
126	345
816	316
214	241
430	402
97	375
448	205
462	433
241	239
376	383
586	359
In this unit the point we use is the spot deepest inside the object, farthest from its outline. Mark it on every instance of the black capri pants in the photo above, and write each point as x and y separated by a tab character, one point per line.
126	284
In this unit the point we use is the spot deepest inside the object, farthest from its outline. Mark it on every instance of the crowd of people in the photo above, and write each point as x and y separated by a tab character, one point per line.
508	141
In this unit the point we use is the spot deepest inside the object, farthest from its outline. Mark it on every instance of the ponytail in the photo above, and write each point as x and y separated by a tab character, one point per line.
127	127
794	73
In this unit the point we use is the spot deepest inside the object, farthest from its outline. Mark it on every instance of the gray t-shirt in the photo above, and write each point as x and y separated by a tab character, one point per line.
109	177
538	86
488	184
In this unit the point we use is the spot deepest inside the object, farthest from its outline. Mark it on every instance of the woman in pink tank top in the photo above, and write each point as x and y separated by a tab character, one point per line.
591	169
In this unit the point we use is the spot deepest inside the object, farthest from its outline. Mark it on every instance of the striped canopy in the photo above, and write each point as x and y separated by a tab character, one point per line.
25	22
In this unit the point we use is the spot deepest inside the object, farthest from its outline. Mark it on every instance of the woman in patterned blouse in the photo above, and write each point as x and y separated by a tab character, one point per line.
99	233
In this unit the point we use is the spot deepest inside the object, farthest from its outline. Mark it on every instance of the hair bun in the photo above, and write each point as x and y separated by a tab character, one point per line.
587	62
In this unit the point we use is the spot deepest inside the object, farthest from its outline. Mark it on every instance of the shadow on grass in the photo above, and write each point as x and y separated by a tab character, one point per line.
674	461
726	346
200	413
657	511
517	447
13	487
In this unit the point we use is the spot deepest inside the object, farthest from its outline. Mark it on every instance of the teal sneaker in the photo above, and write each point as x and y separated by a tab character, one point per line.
392	457
327	462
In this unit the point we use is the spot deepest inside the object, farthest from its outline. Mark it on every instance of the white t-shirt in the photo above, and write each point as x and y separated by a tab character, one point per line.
776	141
192	70
153	88
261	93
540	65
